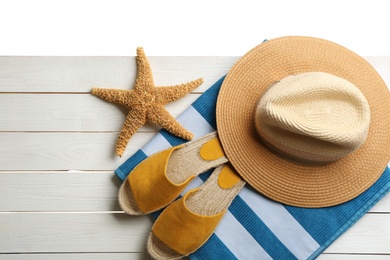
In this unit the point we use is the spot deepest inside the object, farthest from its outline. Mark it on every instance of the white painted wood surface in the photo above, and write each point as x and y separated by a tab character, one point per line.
58	192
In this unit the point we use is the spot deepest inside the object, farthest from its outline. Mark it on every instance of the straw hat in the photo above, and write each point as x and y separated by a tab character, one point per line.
305	121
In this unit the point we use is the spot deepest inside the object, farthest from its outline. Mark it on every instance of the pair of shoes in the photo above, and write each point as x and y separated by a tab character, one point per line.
187	223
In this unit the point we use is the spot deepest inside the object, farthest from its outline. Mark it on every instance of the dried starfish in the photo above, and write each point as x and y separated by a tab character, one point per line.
146	103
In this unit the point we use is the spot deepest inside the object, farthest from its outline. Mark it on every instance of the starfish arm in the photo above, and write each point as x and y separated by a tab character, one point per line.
160	116
165	95
117	96
135	119
144	80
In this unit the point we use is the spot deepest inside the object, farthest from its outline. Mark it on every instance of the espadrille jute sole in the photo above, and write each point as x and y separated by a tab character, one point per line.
159	180
188	223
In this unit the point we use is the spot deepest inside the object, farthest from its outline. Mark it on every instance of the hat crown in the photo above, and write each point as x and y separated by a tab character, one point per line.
313	117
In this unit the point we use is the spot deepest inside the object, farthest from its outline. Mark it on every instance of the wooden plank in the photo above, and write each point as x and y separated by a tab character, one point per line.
80	74
352	257
70	112
77	256
59	191
92	232
72	232
371	234
64	151
74	191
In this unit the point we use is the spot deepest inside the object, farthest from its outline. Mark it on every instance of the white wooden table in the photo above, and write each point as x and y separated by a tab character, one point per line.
58	192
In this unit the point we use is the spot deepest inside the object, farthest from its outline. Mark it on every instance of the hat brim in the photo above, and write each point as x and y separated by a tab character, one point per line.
282	180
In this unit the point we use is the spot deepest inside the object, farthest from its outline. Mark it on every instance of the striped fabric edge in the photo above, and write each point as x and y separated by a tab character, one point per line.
270	216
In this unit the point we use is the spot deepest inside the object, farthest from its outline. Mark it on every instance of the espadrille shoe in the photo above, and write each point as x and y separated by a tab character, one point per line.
188	223
158	180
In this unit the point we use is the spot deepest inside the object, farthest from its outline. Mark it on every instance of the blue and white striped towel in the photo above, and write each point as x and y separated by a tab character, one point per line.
256	227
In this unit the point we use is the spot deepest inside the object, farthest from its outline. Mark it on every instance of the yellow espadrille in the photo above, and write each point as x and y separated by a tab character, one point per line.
159	180
188	223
